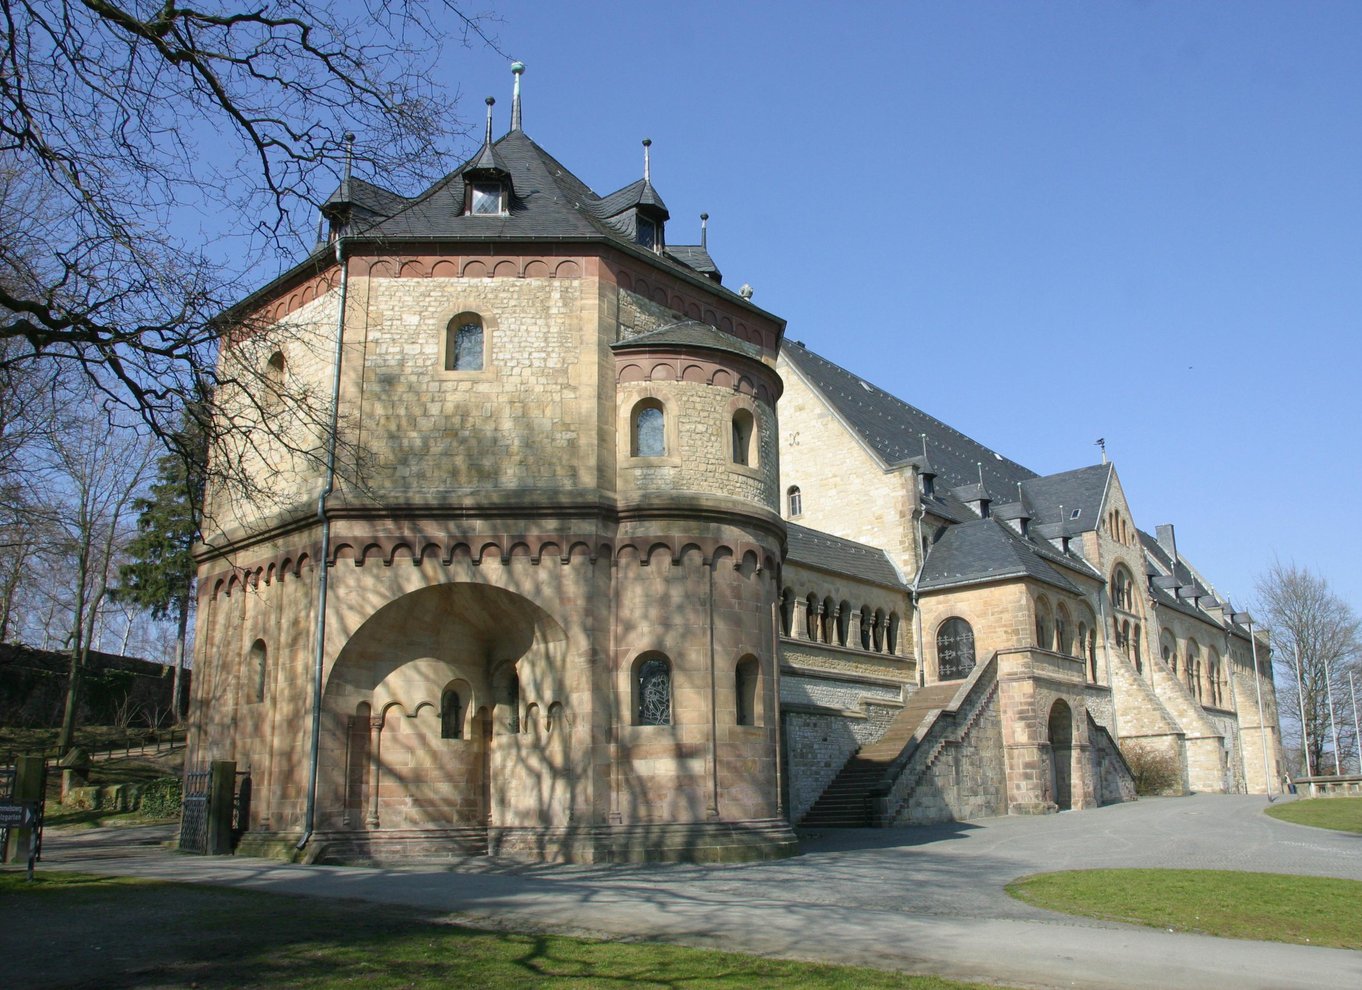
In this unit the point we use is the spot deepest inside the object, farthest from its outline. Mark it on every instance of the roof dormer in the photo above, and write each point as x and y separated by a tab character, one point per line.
487	180
637	211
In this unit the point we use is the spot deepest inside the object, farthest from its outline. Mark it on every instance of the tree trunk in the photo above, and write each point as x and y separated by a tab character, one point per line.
180	628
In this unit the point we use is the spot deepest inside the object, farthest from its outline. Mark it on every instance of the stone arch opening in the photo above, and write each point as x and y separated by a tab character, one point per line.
396	759
1061	736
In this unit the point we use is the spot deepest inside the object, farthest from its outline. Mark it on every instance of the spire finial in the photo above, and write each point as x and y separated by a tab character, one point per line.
924	446
349	139
980	466
517	70
491	101
1102	443
704	226
647	160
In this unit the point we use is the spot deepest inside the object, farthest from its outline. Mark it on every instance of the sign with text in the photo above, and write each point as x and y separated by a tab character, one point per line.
17	815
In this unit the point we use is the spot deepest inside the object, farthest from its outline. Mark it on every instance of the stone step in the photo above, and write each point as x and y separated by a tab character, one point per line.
844	802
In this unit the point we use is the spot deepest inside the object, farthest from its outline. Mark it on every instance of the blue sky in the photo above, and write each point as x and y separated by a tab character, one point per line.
1040	222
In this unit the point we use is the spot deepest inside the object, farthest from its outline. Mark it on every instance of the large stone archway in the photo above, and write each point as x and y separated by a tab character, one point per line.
446	713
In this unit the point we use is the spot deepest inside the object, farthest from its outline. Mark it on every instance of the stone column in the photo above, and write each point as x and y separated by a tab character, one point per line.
375	737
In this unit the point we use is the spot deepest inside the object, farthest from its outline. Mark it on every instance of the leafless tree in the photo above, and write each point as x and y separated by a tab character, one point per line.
1312	626
160	158
93	470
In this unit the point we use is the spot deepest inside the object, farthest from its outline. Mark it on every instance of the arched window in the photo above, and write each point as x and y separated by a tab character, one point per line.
811	609
787	611
1123	590
649	425
451	715
653	691
274	381
464	343
1044	639
1213	675
843	622
745	678
795	500
743	429
256	664
1064	633
828	626
1194	668
954	649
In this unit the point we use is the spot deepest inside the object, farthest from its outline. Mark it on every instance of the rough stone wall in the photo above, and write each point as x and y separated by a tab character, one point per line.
845	491
260	472
1227	728
1253	739
1114	782
637	315
527	420
825	692
958	770
817	746
699	454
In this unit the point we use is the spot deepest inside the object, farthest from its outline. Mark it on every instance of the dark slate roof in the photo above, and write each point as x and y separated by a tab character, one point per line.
1186	576
987	550
1082	489
640	192
549	202
832	553
693	256
691	333
893	429
367	201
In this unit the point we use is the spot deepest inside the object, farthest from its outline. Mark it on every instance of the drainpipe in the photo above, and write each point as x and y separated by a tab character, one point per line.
917	610
328	486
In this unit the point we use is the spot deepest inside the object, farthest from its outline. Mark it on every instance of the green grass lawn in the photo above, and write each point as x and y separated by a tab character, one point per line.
74	930
1268	906
1343	814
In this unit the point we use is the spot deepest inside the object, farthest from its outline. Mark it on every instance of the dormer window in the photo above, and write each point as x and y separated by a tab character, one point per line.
486	199
647	233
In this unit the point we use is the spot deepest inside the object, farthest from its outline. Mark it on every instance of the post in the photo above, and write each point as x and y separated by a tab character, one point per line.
30	777
221	794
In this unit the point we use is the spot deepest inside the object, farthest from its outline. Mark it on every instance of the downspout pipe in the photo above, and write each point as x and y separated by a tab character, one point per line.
324	563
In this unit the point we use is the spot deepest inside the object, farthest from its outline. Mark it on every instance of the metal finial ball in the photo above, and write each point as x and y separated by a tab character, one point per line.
349	137
490	100
647	142
517	67
704	216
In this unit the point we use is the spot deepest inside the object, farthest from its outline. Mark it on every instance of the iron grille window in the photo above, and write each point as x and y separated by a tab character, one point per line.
655	693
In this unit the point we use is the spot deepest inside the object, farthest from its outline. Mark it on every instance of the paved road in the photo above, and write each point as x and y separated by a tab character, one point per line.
915	899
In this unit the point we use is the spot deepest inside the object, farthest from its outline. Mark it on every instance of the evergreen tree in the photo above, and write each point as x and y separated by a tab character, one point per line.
160	575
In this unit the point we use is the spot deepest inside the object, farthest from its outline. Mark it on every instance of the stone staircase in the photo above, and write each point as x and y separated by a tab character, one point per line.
845	803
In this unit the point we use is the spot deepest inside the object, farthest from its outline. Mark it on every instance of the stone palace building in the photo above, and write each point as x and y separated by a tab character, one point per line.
556	547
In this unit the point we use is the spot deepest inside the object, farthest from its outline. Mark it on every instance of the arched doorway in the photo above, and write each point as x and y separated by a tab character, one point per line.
1061	736
400	761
